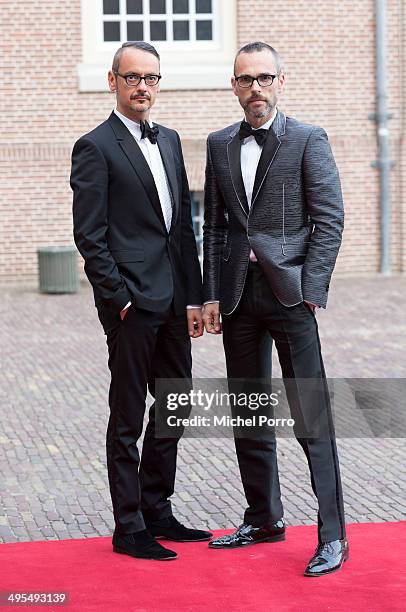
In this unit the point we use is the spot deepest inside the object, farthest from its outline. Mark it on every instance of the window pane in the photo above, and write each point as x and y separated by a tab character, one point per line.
157	7
181	30
204	30
180	6
203	6
111	30
111	7
135	30
158	30
134	7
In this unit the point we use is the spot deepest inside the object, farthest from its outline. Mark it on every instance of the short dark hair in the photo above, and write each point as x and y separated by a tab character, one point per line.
136	44
256	47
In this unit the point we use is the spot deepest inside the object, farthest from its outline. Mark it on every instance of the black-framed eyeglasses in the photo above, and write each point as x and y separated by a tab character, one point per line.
133	80
263	80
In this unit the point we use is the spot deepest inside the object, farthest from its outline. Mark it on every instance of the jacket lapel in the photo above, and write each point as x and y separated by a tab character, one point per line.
269	152
138	162
234	163
170	169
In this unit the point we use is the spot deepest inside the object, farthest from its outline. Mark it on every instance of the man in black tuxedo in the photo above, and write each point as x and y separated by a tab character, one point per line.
133	227
273	225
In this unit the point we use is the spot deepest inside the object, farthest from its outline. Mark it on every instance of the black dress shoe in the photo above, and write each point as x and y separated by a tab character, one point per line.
141	545
329	557
247	535
170	529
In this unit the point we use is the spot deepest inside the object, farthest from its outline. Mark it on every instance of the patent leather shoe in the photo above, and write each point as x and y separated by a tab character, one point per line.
246	535
329	557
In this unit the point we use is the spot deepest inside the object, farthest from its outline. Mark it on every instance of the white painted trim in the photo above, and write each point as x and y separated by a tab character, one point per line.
184	65
93	77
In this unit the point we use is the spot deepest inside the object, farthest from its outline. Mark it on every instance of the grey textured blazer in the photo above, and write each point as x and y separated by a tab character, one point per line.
295	221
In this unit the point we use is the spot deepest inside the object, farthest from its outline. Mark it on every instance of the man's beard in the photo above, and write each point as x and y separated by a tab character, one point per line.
139	106
259	114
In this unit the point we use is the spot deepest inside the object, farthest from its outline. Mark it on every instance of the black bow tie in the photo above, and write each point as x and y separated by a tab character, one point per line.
149	132
259	135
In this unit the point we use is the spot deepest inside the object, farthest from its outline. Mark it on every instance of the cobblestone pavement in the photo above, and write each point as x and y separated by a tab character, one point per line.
53	393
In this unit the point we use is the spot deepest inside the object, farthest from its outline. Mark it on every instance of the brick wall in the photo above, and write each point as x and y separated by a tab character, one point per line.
329	53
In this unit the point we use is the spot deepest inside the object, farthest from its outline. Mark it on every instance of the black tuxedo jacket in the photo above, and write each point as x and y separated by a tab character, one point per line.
119	227
295	221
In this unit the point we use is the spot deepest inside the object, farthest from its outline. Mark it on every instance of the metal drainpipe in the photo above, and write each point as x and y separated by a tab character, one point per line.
381	118
402	122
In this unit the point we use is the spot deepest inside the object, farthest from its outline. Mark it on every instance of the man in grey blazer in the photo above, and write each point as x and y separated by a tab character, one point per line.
273	224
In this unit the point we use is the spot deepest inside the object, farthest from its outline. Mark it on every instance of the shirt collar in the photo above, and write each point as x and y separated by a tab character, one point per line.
131	125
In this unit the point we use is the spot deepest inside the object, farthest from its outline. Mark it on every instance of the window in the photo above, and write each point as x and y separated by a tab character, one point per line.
196	39
158	20
197	201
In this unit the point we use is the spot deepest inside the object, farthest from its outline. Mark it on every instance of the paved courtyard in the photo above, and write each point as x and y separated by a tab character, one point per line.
53	395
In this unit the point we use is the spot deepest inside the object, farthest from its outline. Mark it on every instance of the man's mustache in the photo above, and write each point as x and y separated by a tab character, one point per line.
256	98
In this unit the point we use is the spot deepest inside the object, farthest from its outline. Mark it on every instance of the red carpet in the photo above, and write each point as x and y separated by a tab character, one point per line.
264	577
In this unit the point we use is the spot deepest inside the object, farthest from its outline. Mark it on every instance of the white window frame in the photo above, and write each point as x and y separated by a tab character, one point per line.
184	64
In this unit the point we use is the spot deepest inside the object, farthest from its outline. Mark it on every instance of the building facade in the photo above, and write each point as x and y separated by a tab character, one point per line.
55	57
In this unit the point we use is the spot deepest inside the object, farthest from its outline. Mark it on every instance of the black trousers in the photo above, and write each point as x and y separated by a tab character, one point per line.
144	346
259	316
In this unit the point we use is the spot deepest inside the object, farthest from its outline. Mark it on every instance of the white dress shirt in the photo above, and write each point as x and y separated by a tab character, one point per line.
250	154
154	160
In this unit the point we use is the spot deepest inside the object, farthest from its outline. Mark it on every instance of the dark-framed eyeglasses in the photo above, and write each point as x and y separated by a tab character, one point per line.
263	80
133	80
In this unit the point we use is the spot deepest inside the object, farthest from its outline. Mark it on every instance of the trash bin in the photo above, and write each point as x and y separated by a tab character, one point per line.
58	269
